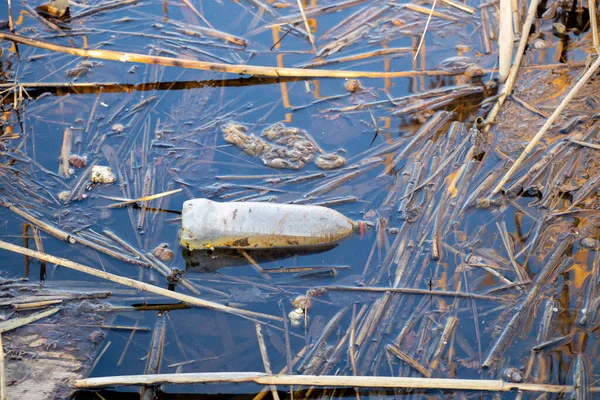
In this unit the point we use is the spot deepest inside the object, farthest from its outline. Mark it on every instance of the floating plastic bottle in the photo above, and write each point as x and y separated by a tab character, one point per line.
210	225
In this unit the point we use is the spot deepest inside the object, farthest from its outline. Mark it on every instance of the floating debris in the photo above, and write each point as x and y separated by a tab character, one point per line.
282	147
297	317
78	161
102	174
163	253
210	225
301	301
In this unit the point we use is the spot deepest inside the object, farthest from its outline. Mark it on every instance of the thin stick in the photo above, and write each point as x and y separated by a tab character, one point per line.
128	343
216	67
425	30
265	358
195	11
133	283
538	136
321	380
310	37
146	198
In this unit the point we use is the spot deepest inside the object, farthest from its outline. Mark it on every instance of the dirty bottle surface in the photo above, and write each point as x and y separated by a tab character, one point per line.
209	225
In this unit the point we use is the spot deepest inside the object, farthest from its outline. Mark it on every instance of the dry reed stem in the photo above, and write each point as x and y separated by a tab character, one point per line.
538	136
516	19
459	6
217	67
485	31
265	358
133	283
307	26
585	144
18	322
36	304
429	11
505	39
594	23
321	380
512	76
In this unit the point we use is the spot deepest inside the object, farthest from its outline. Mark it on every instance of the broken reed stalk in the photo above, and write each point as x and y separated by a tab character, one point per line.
217	67
538	136
593	22
11	24
505	39
36	304
265	358
320	380
512	76
135	284
18	322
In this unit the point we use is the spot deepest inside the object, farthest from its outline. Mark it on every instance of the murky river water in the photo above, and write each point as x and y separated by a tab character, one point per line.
160	128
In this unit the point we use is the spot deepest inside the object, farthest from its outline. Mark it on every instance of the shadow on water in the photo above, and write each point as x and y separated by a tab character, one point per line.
73	88
211	261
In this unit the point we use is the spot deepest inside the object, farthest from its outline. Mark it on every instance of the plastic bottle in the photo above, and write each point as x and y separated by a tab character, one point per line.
210	225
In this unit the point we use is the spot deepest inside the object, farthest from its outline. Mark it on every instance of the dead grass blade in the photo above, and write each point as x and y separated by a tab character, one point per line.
425	30
307	26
